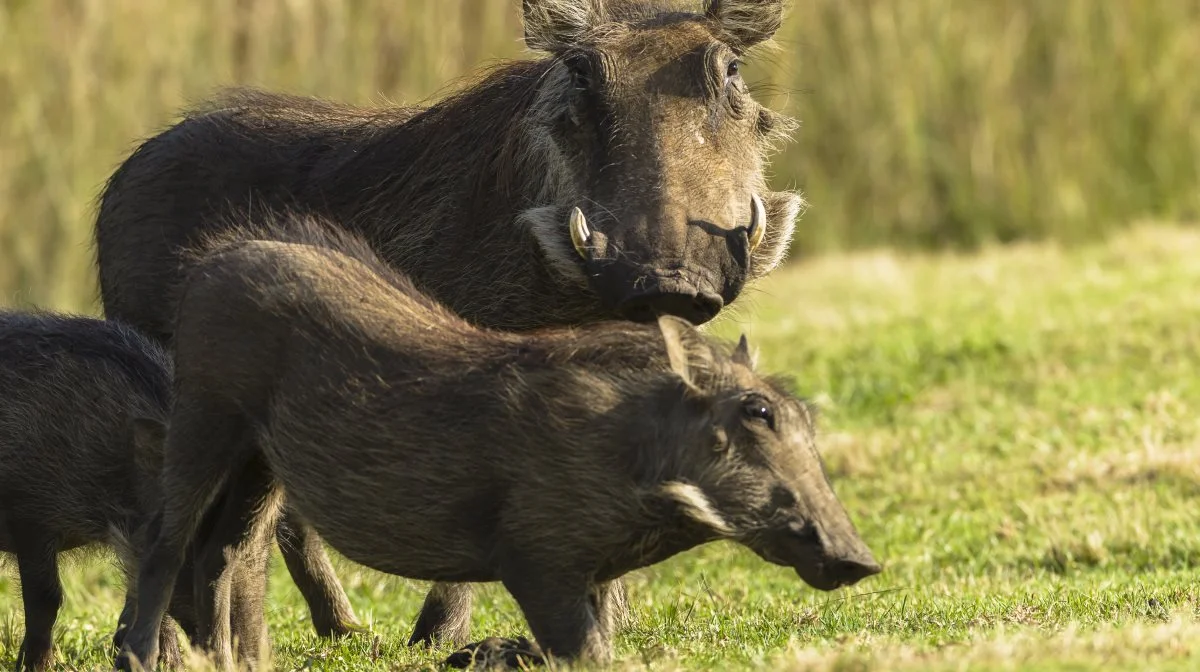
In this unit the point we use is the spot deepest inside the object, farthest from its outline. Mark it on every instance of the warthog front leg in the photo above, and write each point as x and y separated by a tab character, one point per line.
569	618
612	607
168	639
182	612
125	619
201	451
445	616
37	564
607	602
231	568
311	570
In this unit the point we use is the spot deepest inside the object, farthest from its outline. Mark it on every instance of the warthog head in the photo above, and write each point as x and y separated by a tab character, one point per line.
755	476
655	152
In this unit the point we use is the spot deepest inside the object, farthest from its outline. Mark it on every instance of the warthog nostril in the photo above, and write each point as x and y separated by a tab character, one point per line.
696	308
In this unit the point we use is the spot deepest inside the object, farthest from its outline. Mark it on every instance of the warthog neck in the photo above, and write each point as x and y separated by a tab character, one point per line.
465	169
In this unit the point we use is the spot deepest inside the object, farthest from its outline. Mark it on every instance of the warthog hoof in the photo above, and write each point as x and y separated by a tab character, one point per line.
339	628
496	652
118	638
35	657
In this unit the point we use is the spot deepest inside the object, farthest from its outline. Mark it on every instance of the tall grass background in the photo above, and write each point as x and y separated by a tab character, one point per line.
925	123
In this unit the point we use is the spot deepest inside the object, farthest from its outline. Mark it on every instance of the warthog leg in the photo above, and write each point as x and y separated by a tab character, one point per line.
170	654
231	567
611	605
168	639
605	602
312	572
445	616
37	563
562	611
182	611
203	448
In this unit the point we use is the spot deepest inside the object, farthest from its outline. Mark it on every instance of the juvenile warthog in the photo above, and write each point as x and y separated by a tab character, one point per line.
620	175
81	407
420	445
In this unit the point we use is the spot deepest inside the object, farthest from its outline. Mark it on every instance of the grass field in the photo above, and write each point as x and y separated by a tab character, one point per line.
1015	432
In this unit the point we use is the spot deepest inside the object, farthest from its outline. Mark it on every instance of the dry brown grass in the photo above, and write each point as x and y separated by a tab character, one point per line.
925	122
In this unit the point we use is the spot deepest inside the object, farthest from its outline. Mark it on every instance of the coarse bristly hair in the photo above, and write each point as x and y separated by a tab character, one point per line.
362	397
78	471
628	113
470	195
563	345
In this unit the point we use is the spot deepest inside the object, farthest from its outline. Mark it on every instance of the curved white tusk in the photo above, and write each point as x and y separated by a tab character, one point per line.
758	221
581	237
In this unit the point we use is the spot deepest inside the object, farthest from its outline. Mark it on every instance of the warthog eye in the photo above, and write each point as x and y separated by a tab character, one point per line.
733	88
759	409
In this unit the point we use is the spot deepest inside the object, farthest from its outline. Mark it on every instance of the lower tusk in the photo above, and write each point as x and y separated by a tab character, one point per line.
758	222
581	237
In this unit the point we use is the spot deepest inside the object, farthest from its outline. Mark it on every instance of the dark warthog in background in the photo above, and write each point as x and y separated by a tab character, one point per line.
82	402
313	367
621	175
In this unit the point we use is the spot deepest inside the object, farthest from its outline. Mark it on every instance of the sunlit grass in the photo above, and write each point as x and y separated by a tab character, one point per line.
1016	434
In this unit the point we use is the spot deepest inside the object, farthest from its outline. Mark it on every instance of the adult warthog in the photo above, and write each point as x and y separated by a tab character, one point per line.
620	175
554	461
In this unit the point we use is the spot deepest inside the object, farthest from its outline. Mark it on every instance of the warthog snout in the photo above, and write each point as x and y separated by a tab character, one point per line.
825	561
704	267
825	550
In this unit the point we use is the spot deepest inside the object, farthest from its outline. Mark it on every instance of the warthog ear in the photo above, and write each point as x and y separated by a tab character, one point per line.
741	353
552	25
783	207
674	331
149	435
686	349
746	22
